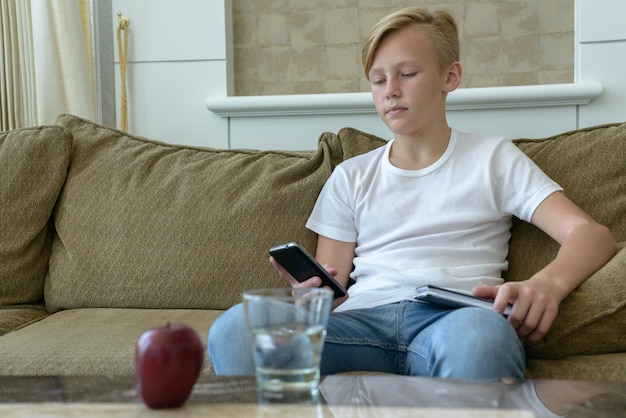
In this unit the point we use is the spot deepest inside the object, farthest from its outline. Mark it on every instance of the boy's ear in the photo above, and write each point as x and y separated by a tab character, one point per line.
453	77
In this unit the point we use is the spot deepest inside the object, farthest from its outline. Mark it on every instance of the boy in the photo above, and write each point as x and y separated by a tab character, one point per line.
433	206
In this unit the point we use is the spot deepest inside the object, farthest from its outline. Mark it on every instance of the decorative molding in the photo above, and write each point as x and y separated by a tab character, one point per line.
573	94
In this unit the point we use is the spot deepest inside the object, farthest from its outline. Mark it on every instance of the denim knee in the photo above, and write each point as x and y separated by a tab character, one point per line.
229	346
471	343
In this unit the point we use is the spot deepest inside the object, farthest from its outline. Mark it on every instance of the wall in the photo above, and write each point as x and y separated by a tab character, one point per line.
178	54
315	46
177	74
601	56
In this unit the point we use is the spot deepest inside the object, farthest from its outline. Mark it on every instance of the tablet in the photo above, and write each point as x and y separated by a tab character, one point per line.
454	298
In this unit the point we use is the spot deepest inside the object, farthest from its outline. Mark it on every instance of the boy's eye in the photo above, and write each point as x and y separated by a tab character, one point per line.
377	81
408	75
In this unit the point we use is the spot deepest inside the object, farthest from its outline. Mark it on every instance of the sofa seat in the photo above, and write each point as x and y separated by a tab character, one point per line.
592	368
101	341
91	341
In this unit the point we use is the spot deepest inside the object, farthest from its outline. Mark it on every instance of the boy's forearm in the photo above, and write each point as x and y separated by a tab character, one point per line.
585	250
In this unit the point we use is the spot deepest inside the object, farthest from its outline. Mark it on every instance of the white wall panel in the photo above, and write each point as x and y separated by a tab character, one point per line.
601	20
297	132
178	54
604	62
530	122
295	121
302	132
601	57
166	102
165	30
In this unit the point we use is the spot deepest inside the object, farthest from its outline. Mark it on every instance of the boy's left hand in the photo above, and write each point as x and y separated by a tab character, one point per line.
535	306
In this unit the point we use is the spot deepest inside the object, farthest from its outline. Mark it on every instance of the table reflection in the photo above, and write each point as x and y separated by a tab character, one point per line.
545	398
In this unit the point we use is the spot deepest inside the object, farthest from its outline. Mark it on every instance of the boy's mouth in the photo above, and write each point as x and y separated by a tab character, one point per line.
395	110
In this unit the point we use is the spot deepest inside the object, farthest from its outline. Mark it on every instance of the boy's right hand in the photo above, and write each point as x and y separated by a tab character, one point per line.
314	281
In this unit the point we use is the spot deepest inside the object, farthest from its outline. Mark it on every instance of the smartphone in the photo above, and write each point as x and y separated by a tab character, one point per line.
302	266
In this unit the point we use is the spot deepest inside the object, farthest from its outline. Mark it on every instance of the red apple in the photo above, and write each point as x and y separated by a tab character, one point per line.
168	361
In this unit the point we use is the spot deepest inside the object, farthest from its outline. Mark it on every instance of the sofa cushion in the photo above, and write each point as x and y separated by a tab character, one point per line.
33	165
16	317
589	164
355	142
594	368
146	224
593	313
98	341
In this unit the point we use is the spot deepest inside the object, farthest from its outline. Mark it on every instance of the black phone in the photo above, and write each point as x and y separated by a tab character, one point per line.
302	266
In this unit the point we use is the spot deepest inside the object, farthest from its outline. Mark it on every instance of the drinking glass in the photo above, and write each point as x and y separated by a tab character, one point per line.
287	328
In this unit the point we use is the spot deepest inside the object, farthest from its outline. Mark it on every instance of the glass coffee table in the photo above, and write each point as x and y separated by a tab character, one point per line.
340	396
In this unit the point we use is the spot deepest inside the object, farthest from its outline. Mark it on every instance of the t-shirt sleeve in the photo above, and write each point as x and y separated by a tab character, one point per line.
521	185
333	215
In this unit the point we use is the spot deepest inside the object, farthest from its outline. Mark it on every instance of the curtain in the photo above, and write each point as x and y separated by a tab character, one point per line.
46	66
16	79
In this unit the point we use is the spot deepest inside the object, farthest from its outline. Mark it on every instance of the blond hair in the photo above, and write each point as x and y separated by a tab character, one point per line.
439	25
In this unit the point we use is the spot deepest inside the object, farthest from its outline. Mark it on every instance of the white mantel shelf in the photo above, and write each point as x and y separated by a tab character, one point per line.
572	94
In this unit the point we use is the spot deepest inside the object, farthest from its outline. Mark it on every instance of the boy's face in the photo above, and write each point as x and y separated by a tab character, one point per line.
408	85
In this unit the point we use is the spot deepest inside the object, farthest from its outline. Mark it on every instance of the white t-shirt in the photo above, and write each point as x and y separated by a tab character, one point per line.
447	224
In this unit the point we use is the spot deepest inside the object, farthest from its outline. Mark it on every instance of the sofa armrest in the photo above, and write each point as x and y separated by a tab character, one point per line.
591	319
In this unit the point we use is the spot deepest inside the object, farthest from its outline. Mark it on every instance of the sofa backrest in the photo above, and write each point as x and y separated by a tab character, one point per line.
144	224
590	165
141	223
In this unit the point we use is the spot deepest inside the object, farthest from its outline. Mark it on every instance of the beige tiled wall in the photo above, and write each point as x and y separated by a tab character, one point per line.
309	46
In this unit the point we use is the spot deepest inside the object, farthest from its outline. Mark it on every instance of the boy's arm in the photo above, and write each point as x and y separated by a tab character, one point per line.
337	254
585	247
337	257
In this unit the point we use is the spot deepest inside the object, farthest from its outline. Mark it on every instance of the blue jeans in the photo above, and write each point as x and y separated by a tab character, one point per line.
407	338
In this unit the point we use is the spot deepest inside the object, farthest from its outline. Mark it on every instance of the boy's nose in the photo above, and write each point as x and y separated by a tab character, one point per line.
392	89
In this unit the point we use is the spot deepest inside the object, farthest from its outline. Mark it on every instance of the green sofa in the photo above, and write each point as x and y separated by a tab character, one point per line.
104	235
